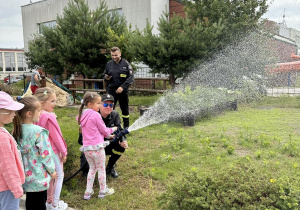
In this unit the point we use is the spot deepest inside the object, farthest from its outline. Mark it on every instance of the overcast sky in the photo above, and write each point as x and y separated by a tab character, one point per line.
11	35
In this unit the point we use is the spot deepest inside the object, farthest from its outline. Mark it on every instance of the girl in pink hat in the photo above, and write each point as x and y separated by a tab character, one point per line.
11	167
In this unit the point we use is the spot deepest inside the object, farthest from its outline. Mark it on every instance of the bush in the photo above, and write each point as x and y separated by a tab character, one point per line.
12	89
240	187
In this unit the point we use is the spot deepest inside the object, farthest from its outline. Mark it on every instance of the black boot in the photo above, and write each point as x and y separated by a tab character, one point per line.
110	168
110	171
126	122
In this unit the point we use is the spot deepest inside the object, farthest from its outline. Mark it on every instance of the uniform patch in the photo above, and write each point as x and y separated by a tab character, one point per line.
124	67
123	75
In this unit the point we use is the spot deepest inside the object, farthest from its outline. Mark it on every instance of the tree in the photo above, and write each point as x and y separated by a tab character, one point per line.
238	17
184	42
79	42
181	44
40	54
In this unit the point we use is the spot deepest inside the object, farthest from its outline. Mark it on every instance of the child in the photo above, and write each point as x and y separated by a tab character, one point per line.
47	98
93	133
36	151
11	167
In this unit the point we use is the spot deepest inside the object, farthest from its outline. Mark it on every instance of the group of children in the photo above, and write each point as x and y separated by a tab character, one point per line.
31	159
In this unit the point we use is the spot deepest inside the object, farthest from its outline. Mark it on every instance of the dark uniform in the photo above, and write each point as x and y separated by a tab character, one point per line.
113	149
121	76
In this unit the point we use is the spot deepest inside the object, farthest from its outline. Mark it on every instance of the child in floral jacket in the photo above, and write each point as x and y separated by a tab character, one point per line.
37	154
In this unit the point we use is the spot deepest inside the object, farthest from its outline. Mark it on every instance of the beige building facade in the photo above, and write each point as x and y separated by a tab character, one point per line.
136	12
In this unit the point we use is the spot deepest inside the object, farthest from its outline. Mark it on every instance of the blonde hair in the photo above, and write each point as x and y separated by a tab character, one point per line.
30	105
43	94
89	97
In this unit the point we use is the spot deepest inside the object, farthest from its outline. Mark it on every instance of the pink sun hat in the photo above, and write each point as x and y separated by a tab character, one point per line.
7	102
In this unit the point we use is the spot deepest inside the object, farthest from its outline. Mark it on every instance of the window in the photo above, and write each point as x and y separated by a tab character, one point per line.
9	58
21	62
49	24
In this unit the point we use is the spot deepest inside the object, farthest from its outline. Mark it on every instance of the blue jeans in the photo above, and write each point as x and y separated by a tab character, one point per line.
8	201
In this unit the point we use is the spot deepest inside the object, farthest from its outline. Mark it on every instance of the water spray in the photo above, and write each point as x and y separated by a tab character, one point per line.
236	74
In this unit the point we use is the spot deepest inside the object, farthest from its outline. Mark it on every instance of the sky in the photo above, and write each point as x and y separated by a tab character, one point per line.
11	35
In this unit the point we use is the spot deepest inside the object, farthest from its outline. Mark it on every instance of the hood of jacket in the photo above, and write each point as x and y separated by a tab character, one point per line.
86	115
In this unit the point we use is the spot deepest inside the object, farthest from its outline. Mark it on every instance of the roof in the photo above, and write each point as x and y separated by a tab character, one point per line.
285	67
11	49
32	3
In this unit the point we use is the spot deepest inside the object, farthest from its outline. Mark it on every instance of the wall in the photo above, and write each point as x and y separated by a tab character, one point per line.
177	8
283	48
137	12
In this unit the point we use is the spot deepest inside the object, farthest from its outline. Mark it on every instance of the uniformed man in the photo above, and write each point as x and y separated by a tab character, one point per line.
118	74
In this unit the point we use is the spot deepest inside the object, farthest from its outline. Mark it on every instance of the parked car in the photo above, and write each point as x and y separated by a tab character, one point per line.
12	79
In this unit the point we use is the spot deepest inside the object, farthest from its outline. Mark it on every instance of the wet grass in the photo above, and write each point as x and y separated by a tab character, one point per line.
264	134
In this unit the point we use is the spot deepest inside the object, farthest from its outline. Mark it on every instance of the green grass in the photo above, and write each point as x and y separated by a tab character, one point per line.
145	100
264	134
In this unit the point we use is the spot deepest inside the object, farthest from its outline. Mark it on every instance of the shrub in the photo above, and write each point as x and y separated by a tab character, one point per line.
240	187
12	89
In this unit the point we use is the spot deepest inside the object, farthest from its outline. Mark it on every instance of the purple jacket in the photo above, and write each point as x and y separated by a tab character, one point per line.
93	128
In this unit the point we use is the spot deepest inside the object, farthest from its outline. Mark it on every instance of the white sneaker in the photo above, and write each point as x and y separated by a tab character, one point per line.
48	206
54	208
107	191
62	205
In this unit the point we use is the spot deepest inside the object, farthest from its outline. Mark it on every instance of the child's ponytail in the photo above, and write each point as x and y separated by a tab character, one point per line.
17	130
80	113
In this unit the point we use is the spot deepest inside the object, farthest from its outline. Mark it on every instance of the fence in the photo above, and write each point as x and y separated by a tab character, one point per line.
143	82
287	83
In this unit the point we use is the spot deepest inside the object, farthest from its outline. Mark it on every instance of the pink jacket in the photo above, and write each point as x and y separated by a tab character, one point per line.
12	174
93	128
49	122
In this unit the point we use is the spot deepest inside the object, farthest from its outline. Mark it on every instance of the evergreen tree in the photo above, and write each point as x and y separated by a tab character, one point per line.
79	42
181	44
238	17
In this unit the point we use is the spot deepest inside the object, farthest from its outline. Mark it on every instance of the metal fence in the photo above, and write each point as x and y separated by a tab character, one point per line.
287	83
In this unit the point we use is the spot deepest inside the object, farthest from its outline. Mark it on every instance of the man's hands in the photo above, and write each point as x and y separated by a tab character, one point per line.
119	90
107	77
124	144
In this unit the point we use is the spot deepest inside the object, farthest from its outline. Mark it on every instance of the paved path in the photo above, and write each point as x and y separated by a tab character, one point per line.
22	203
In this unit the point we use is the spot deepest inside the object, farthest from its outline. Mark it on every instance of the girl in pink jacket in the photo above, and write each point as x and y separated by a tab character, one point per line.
48	121
93	133
12	174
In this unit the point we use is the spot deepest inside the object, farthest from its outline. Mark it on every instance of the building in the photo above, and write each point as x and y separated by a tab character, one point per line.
137	12
12	61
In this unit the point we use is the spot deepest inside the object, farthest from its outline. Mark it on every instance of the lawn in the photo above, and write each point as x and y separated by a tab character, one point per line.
264	134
